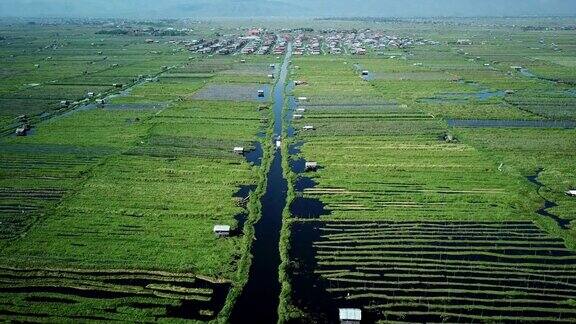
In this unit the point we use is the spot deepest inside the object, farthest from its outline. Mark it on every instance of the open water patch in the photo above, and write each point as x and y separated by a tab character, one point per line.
543	211
240	92
255	155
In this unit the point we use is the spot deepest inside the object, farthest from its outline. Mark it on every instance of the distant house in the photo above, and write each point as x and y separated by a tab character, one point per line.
90	94
311	166
516	67
365	73
302	99
301	110
238	150
271	76
571	193
221	230
300	82
308	128
64	103
260	93
100	102
464	41
350	315
298	116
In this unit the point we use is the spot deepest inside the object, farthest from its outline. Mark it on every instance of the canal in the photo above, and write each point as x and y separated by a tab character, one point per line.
259	300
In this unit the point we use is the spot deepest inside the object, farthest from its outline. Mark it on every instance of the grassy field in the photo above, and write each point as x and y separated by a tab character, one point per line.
107	212
413	220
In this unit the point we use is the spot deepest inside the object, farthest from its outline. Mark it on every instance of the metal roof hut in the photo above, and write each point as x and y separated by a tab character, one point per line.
301	110
308	128
350	315
365	73
238	150
298	116
260	93
21	131
571	193
221	230
311	166
100	102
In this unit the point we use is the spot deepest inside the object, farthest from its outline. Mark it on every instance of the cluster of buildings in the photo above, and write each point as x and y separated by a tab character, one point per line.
336	42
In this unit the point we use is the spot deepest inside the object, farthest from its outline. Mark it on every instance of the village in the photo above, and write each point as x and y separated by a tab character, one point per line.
261	42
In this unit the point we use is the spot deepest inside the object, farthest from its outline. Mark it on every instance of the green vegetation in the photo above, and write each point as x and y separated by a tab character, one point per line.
413	220
107	206
107	210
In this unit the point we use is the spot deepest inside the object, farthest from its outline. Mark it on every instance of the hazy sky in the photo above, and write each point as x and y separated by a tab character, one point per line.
283	8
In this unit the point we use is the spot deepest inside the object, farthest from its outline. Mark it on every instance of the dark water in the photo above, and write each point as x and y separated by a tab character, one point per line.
255	156
486	123
547	203
259	300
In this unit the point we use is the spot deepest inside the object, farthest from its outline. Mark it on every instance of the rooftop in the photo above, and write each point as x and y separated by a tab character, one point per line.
350	314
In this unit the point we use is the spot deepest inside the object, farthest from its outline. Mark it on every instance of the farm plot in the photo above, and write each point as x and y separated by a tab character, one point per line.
432	271
55	295
416	179
332	80
399	214
34	178
51	63
543	155
548	104
147	252
240	92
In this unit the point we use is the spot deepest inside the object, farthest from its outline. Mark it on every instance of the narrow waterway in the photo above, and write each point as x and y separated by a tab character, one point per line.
259	300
